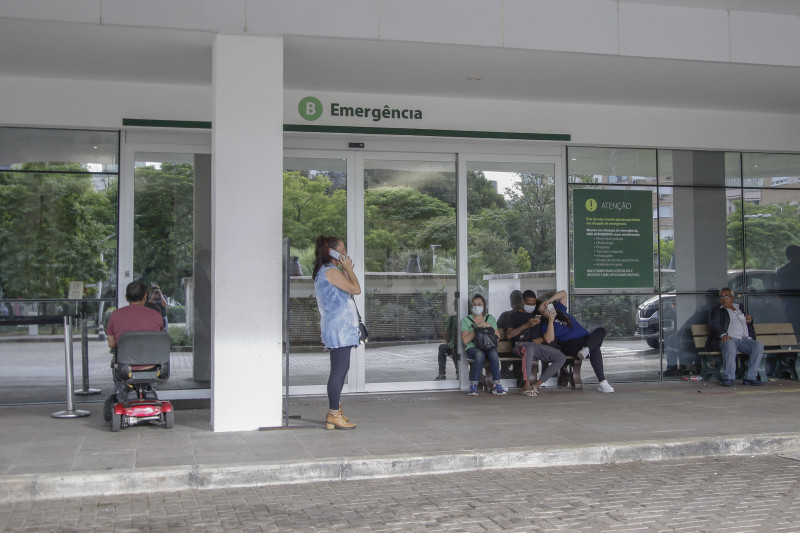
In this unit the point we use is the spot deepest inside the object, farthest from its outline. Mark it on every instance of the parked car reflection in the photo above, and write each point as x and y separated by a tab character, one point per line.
649	314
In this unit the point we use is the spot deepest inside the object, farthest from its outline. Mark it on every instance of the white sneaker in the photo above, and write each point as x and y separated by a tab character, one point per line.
552	382
605	387
583	353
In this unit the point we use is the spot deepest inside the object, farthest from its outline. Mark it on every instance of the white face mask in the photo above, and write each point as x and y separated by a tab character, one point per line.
477	309
529	308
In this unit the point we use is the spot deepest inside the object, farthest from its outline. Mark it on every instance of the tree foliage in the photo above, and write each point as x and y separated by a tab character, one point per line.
164	226
769	228
407	213
57	225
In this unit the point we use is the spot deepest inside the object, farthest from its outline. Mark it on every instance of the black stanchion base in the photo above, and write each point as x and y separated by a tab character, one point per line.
75	413
87	392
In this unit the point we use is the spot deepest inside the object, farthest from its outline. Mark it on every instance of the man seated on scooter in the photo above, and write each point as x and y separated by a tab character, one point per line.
133	317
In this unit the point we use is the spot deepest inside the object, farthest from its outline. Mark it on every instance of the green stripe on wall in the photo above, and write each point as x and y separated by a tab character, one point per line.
149	123
196	124
430	133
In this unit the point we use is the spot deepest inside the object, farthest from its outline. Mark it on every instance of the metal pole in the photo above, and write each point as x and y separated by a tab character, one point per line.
70	412
286	259
85	391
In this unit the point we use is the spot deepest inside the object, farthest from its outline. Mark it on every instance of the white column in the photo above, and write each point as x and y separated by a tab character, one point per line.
247	197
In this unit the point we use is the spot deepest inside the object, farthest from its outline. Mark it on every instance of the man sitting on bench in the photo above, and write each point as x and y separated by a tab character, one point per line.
133	317
731	331
524	326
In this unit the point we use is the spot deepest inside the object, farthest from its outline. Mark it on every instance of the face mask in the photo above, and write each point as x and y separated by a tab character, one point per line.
477	309
529	308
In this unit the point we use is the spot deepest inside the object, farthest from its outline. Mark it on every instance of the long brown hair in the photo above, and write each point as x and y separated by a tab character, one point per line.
322	252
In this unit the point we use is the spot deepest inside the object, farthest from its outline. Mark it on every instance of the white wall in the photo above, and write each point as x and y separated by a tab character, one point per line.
97	104
588	124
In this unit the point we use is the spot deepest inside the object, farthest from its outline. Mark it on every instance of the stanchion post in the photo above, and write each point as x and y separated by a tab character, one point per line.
85	391
70	412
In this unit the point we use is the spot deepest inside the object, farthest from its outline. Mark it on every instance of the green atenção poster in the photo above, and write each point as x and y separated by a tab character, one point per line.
613	239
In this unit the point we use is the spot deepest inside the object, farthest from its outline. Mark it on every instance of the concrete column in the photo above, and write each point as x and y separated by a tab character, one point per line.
701	246
247	197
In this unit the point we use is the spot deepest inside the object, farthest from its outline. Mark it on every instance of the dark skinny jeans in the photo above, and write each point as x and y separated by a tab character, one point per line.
593	341
340	365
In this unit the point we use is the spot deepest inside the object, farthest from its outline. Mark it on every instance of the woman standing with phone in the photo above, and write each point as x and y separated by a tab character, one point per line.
333	289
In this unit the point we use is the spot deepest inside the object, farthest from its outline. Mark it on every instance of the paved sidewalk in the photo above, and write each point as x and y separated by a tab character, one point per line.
398	434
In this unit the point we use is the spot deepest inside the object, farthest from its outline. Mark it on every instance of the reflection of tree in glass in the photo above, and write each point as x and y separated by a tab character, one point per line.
313	206
54	228
163	226
766	236
532	217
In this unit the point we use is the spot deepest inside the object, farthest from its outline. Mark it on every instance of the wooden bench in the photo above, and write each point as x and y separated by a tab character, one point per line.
780	346
511	365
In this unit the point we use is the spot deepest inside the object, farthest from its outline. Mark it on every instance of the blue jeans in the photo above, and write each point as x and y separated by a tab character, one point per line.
477	364
746	345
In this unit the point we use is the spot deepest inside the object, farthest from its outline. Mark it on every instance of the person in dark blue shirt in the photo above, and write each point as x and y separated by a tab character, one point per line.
575	340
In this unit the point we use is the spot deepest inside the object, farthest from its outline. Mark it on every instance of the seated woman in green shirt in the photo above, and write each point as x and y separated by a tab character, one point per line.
480	318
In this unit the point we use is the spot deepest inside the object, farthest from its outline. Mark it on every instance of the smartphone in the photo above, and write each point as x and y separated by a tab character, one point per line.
335	254
551	309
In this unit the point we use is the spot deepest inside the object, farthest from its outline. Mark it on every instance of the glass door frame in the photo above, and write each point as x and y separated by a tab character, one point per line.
360	364
156	142
414	150
553	155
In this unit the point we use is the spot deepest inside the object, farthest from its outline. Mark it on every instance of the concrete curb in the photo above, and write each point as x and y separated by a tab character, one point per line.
36	487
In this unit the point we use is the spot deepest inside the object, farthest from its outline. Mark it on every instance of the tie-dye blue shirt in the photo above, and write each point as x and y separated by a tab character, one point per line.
337	310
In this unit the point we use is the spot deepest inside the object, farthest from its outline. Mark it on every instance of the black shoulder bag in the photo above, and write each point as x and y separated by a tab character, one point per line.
485	337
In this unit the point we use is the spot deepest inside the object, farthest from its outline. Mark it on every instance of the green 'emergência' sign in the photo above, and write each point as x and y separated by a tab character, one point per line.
613	239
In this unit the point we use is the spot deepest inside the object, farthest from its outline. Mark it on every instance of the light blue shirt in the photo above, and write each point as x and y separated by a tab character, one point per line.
337	311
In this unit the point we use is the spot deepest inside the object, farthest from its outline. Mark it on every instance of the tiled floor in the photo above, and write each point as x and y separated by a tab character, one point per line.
443	422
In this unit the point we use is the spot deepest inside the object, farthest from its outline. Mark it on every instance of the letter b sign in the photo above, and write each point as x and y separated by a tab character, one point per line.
310	108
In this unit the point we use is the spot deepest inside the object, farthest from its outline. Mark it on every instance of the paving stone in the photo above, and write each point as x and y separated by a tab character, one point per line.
687	495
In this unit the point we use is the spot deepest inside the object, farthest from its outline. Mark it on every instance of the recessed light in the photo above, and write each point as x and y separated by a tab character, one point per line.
474	78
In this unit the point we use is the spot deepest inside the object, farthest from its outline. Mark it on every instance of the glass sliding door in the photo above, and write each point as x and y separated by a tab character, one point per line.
410	242
511	234
164	258
314	204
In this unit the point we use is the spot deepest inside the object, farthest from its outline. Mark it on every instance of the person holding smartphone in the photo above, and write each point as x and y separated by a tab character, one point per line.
573	338
334	289
158	303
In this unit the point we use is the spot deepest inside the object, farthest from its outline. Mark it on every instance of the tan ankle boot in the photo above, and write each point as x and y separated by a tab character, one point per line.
335	420
342	415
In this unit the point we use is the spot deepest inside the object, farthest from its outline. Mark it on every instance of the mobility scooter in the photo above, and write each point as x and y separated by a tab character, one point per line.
140	363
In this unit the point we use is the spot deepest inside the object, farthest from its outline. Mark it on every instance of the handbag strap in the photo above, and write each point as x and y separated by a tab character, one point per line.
356	306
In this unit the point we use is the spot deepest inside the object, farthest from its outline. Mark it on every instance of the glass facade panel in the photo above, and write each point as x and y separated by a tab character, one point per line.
314	204
619	166
58	224
772	171
410	263
42	149
163	247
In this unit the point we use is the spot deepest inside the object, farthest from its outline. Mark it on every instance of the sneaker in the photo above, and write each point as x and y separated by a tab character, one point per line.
583	353
440	377
498	390
753	382
726	383
473	390
605	386
550	383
